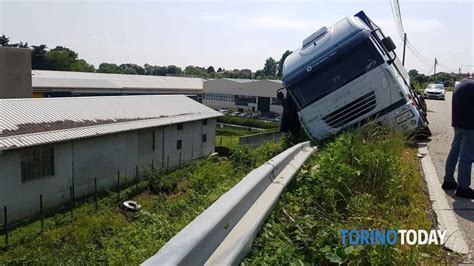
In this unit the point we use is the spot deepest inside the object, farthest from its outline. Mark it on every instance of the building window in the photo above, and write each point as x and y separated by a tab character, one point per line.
179	126
179	144
204	138
276	101
36	163
244	99
204	122
219	97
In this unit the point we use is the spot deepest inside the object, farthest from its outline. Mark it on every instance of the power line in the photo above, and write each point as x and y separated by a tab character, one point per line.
421	58
397	16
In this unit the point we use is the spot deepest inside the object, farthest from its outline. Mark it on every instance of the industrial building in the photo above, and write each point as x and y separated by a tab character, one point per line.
15	72
48	83
52	146
246	94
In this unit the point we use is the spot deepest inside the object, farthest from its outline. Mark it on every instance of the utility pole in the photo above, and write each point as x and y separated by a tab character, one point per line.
435	63
404	48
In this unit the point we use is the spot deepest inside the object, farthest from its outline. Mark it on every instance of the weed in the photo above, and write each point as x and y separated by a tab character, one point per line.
364	179
170	200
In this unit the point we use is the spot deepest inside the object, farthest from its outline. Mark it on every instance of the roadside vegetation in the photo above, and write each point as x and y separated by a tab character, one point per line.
364	179
420	81
64	59
248	122
111	235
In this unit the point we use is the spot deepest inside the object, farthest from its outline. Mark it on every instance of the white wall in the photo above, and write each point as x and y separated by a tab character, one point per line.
101	158
257	88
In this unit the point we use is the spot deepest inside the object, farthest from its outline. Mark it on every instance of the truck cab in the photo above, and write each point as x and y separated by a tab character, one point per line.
346	75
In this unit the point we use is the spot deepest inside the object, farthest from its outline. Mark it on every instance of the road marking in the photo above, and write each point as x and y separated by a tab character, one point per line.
445	215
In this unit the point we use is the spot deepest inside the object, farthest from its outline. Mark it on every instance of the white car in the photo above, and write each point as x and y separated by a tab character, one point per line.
435	91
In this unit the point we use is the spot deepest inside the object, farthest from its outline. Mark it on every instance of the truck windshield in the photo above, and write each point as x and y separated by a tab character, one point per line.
335	72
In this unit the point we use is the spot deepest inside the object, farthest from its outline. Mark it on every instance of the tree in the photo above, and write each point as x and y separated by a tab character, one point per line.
38	57
149	69
210	70
195	71
108	68
82	66
220	70
61	58
160	71
131	69
447	79
270	68
280	63
259	74
4	40
22	45
245	74
174	70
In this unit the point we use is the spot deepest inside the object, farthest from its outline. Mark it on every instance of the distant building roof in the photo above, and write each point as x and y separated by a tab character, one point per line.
28	122
48	79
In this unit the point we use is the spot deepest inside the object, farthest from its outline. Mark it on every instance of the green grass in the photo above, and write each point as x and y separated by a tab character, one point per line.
235	131
112	236
365	179
249	122
227	141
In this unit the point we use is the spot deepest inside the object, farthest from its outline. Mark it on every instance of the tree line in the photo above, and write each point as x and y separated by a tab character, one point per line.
64	59
420	81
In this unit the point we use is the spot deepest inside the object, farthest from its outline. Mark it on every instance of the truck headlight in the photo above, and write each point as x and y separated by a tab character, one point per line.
404	116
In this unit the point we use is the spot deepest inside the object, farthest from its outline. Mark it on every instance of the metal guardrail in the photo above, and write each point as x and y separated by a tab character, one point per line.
224	232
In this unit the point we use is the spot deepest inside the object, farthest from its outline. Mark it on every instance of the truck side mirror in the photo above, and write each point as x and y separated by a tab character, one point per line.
280	96
389	44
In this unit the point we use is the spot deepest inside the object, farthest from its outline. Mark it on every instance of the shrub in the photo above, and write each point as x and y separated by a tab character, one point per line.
364	179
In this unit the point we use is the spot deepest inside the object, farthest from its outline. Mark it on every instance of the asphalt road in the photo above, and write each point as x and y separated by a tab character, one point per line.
439	116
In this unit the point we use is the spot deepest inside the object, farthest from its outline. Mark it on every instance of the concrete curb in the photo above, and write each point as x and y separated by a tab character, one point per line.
445	215
224	232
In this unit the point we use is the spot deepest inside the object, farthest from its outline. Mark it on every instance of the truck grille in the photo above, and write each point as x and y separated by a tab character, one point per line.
351	111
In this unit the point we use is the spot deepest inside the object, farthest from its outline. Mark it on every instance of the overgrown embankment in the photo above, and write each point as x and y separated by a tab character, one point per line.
365	179
113	236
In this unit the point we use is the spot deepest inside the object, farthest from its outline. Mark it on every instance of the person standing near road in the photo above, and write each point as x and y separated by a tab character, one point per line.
462	147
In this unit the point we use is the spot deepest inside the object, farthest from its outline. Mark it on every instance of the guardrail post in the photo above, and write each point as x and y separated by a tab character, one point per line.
71	199
41	213
118	186
95	195
136	178
5	226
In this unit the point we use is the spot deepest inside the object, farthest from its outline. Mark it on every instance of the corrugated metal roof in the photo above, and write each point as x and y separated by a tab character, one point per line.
27	122
85	80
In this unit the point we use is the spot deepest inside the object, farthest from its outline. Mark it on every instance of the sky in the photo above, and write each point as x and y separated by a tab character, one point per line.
231	34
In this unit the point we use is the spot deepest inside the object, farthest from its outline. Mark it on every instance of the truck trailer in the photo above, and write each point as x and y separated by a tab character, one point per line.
346	75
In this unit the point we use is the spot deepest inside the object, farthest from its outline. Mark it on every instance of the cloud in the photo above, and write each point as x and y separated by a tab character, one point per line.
411	25
285	23
209	17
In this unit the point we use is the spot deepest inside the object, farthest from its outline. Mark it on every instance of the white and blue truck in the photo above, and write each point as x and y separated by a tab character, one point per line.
346	75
